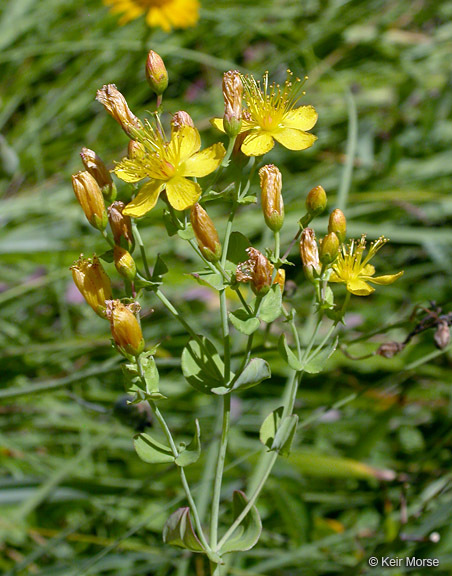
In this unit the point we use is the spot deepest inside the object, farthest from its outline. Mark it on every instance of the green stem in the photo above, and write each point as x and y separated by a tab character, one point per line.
169	437
219	471
107	238
266	469
142	250
277	245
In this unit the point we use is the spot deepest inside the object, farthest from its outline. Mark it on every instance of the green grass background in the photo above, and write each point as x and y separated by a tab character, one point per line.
74	498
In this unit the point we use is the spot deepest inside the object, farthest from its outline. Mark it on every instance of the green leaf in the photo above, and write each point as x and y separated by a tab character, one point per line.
187	233
325	466
210	279
160	269
270	308
178	531
238	243
190	454
149	389
202	366
317	364
287	354
243	322
255	371
151	451
251	199
277	433
141	282
107	256
270	426
283	439
248	532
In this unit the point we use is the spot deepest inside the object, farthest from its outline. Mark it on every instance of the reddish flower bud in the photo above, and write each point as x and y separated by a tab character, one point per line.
156	73
338	224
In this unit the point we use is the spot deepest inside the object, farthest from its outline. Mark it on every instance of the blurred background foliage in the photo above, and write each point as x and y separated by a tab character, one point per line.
370	474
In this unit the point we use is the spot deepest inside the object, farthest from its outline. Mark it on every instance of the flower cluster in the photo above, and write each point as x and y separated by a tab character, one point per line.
167	164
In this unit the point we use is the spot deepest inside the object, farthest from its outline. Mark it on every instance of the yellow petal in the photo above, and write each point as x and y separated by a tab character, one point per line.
204	162
359	288
145	200
130	170
257	143
184	143
182	193
294	139
217	123
156	17
302	118
385	280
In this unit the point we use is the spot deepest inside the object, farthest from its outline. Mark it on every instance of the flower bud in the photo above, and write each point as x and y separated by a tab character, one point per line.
93	283
309	254
124	263
121	225
338	224
156	73
329	249
116	105
180	119
125	328
90	198
135	149
272	202
205	233
94	165
316	201
257	270
442	335
232	94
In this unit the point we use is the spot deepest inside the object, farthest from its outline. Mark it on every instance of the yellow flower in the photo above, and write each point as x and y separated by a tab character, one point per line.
355	271
271	115
167	165
165	14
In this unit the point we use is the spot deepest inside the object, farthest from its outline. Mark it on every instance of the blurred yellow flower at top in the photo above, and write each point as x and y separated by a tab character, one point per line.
165	14
271	115
355	271
168	165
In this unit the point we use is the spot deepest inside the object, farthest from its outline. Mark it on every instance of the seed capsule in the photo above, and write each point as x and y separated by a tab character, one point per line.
310	254
205	233
94	165
442	335
90	198
116	105
232	94
93	283
120	225
271	197
125	328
